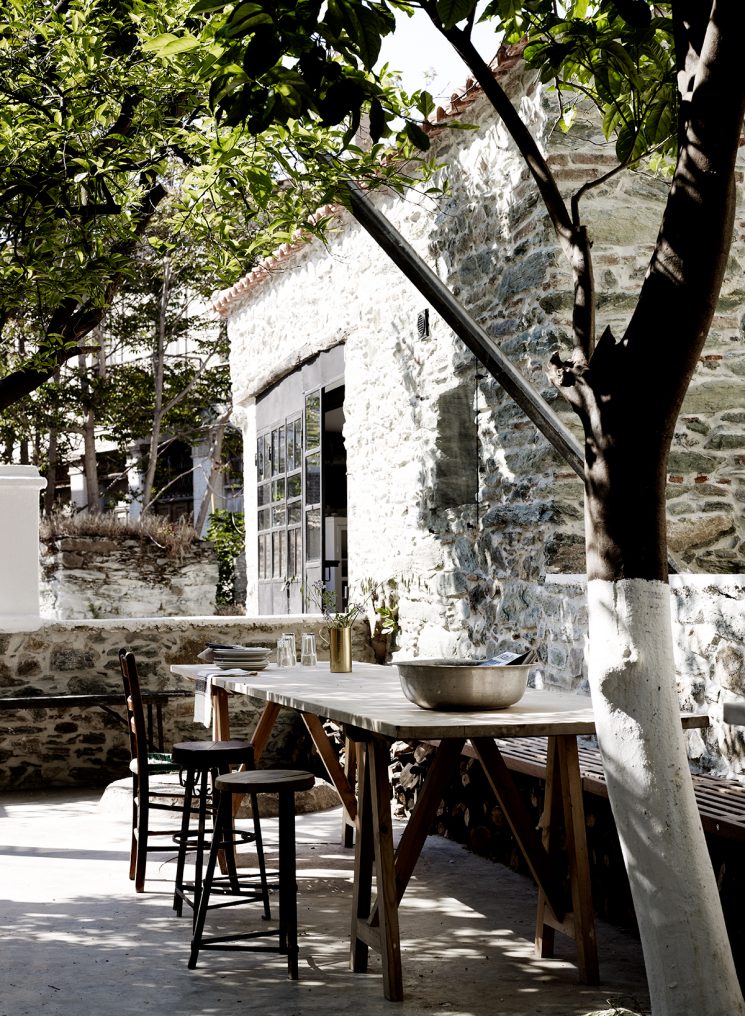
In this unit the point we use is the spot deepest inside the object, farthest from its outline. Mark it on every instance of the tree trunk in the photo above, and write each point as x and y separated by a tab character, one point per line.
159	352
628	395
52	462
90	463
632	677
217	437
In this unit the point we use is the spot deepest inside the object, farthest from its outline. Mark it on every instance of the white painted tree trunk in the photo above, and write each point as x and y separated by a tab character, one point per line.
632	677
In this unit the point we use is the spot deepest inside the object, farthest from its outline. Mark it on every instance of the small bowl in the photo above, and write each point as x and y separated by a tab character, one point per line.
463	684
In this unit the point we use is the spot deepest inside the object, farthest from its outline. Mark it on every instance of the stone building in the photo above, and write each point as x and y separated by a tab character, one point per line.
377	446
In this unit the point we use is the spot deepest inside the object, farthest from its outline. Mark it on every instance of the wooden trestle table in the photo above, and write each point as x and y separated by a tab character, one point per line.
373	711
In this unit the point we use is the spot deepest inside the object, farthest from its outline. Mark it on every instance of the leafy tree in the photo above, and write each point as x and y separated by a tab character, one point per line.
664	79
227	531
96	133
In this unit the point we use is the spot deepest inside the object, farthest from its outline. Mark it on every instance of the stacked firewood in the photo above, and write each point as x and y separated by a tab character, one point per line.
409	765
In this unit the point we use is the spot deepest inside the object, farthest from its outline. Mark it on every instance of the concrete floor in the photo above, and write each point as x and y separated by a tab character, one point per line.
76	939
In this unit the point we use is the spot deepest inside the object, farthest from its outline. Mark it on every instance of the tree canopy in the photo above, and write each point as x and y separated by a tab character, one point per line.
97	128
272	61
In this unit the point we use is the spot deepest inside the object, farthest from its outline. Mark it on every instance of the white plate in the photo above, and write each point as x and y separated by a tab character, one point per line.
257	651
244	656
247	669
241	659
244	648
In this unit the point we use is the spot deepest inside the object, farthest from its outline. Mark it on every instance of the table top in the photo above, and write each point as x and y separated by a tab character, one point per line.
371	698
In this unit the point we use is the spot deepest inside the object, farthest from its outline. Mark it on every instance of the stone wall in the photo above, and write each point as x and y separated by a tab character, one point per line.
478	509
452	491
89	747
100	577
708	615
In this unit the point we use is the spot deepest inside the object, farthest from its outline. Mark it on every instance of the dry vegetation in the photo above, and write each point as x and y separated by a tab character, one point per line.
173	537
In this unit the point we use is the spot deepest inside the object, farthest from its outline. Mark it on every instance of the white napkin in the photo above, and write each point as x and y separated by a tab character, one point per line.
203	697
203	691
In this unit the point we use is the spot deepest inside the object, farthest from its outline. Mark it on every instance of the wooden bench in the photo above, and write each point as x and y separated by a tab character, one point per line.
154	702
721	801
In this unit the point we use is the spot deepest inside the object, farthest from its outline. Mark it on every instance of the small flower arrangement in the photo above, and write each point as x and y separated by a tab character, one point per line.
325	600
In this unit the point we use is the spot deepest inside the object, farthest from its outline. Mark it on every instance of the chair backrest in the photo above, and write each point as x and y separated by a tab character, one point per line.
135	711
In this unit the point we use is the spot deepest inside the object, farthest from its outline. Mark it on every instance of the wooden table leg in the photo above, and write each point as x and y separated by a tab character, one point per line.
375	824
259	740
264	727
364	855
520	821
545	919
221	732
220	714
579	862
441	772
350	771
564	807
333	767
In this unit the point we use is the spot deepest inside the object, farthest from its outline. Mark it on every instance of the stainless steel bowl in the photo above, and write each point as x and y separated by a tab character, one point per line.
462	684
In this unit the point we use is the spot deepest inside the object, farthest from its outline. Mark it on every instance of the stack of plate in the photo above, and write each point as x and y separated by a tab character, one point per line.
240	657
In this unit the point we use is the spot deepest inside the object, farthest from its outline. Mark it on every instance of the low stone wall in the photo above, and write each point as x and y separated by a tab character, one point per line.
708	615
99	577
88	747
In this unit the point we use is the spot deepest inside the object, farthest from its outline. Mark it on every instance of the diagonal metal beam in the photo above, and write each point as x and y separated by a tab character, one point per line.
483	347
472	334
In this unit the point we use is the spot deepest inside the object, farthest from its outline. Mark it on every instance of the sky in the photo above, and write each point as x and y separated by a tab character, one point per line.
419	51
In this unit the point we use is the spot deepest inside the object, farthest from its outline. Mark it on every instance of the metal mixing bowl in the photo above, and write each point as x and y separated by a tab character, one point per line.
462	684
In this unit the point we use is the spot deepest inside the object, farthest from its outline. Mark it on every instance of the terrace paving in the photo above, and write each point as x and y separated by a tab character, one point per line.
76	939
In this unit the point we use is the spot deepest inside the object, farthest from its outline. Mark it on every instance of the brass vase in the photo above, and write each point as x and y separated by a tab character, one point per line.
340	650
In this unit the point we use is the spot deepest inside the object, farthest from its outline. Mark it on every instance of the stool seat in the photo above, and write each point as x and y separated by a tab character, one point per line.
265	781
211	754
285	783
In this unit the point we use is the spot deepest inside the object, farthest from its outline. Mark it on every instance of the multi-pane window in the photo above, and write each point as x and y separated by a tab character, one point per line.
313	476
279	498
294	498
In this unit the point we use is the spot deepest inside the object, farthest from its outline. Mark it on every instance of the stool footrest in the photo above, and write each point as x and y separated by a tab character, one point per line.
222	887
223	941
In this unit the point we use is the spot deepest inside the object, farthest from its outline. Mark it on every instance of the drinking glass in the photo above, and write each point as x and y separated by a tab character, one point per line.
291	648
308	655
284	652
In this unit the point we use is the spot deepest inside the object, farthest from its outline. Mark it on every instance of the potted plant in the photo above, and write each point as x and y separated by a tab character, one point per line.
384	625
338	623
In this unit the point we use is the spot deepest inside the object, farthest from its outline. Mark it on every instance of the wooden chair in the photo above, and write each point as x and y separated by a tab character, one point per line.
151	790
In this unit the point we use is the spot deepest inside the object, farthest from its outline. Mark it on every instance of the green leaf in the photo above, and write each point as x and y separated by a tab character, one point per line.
417	136
171	45
425	103
625	142
208	5
362	26
377	120
451	12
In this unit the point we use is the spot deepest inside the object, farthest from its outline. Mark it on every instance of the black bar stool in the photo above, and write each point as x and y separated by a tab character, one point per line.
202	762
285	783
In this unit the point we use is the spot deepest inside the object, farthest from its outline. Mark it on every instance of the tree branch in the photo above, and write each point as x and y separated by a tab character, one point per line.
572	236
72	322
